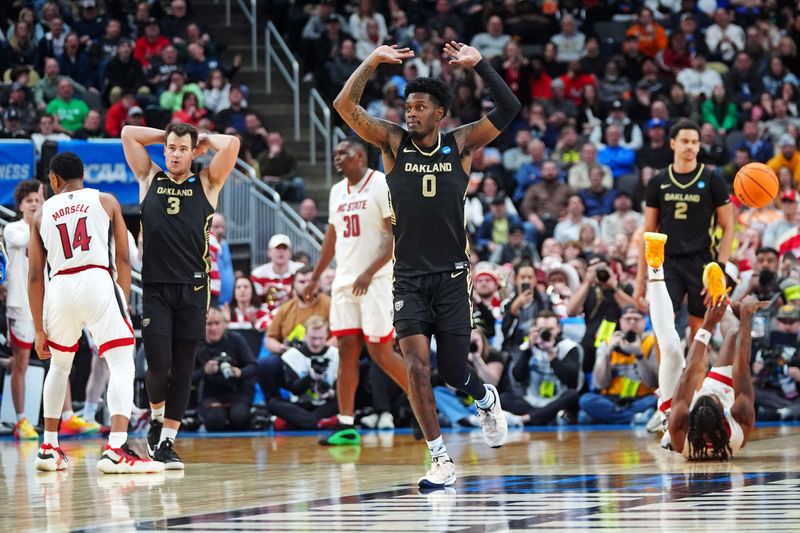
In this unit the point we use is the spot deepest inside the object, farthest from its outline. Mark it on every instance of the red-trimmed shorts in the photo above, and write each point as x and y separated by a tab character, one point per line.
369	315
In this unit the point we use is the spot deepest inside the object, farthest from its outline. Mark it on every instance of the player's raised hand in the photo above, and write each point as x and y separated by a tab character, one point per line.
462	54
40	341
202	144
714	315
390	54
750	305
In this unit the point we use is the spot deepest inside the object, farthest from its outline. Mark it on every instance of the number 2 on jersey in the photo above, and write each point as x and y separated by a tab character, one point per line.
680	210
80	240
352	226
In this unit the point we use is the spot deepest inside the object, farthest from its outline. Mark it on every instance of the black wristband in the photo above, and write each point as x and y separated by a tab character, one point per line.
506	104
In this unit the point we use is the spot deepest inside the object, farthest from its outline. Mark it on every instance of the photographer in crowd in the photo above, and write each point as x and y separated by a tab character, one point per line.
521	308
225	372
600	299
310	375
625	374
549	372
777	367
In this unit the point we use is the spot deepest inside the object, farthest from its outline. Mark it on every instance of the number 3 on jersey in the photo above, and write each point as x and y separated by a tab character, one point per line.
352	226
79	241
174	205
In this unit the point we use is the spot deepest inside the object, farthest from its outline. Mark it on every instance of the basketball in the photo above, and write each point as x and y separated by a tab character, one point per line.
755	184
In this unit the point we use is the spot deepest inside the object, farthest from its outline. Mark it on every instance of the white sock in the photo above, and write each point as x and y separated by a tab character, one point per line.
158	414
66	415
438	448
346	420
487	401
20	417
655	274
117	438
51	438
167	433
671	364
89	411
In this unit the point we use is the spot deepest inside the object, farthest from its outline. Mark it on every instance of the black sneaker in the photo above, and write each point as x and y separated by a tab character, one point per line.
153	436
342	435
165	453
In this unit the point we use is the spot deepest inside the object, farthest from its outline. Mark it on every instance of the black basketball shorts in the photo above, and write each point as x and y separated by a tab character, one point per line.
433	302
683	275
175	310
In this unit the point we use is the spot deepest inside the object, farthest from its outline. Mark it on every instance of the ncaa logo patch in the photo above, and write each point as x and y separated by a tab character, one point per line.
701	185
446	150
398	305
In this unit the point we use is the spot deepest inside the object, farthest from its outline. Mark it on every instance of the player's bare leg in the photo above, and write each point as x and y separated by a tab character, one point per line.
24	429
347	377
390	362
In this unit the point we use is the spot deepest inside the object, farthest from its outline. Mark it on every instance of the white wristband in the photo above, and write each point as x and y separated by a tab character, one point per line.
703	335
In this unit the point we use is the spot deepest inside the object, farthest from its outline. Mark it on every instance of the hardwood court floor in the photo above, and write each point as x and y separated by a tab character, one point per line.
567	480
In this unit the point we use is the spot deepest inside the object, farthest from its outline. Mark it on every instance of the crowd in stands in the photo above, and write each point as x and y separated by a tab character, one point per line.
553	208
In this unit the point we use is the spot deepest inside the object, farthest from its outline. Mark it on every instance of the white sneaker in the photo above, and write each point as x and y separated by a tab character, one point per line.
369	421
386	421
666	441
442	473
656	422
123	460
50	459
493	421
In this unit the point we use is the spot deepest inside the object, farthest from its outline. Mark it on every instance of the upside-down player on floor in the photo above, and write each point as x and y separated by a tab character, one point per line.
709	413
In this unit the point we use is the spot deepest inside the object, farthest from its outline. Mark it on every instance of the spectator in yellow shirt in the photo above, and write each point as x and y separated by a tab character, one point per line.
787	157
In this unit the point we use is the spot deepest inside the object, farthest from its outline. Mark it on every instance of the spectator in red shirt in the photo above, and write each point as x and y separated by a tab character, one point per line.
149	45
575	80
117	114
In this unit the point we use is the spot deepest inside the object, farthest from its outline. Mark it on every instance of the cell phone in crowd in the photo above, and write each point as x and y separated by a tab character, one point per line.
525	286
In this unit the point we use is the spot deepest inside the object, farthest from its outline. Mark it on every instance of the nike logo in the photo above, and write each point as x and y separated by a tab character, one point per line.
199	288
456	274
408	151
666	185
162	178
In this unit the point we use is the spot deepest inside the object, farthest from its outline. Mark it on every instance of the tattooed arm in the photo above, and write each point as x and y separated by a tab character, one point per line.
383	134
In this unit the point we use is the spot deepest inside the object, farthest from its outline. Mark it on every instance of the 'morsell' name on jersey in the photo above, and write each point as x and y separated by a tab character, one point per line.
70	209
169	191
681	197
429	169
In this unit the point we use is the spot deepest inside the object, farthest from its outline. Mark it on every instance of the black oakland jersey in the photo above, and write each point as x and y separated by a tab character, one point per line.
687	205
426	194
176	219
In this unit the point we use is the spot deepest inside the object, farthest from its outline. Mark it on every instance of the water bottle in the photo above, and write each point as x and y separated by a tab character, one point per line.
225	367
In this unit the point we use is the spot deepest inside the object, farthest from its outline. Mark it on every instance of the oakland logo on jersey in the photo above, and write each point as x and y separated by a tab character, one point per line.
398	305
446	150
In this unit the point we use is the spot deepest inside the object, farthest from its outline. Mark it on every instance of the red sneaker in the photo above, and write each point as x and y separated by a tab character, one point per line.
279	424
328	423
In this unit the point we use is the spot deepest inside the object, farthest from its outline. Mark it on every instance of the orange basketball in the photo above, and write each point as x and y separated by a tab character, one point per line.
755	184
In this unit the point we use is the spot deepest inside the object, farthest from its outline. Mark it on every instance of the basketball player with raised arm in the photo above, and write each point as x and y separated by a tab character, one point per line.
427	175
708	413
80	236
177	207
686	201
361	305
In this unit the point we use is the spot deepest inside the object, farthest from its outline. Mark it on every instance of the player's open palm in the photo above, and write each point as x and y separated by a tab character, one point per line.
392	54
462	54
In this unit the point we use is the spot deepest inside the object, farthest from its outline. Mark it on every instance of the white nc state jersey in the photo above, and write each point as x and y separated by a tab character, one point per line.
357	212
76	231
17	234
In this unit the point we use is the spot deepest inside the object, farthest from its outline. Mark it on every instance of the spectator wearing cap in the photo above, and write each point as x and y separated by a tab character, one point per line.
517	247
546	201
760	149
713	150
787	156
123	72
18	101
781	120
656	153
569	228
620	159
12	126
598	199
150	45
277	275
92	127
90	26
486	298
494	231
74	62
776	229
720	111
699	80
613	224
172	98
631	134
742	82
570	43
723	38
118	113
625	374
650	34
578	176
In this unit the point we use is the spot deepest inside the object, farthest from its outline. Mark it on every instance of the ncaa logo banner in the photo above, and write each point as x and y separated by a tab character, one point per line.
17	163
106	168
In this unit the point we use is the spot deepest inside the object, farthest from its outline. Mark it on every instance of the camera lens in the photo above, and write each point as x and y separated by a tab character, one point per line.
473	347
603	275
630	336
546	336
